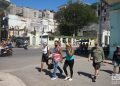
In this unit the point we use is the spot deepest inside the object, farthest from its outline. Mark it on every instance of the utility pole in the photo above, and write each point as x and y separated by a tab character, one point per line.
0	28
100	23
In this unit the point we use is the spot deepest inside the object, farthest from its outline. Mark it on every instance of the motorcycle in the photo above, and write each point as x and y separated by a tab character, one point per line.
6	52
25	46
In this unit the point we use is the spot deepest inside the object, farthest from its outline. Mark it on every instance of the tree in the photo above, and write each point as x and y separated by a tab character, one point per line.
94	5
74	17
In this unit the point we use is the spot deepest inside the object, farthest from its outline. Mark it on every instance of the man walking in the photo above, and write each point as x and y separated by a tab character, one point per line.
98	57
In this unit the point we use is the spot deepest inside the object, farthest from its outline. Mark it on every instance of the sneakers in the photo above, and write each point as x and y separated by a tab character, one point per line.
53	78
70	79
66	78
94	79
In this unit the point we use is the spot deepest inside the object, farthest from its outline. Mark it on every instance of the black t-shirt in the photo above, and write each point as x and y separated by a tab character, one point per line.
116	56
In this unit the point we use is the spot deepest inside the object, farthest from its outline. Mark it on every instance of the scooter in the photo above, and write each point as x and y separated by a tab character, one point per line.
25	46
6	52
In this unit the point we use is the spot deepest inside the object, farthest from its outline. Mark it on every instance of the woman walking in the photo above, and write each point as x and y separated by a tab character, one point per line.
57	57
45	55
69	62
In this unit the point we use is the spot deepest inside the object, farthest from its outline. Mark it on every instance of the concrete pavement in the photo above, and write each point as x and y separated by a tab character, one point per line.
23	65
7	79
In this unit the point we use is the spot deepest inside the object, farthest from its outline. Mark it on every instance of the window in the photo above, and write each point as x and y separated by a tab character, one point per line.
106	40
35	14
40	15
64	40
51	38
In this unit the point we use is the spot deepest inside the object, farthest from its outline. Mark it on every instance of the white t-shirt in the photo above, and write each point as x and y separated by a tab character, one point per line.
45	50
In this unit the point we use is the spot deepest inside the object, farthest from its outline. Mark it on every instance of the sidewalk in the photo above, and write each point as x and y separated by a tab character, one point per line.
7	79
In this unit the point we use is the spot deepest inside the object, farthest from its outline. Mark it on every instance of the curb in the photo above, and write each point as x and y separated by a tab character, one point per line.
7	79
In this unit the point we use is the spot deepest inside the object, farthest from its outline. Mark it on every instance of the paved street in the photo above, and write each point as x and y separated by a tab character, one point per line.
23	65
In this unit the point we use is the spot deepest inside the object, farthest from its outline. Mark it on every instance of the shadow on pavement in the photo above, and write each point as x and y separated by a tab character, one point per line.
107	71
47	72
85	74
61	76
38	69
44	70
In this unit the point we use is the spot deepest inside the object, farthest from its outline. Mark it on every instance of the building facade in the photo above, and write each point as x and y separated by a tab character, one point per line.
102	28
35	22
114	11
3	19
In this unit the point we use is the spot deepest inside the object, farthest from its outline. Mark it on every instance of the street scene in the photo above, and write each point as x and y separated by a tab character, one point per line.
23	64
59	43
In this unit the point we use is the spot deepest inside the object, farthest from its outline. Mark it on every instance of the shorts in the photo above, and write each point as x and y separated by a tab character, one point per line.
97	65
116	64
44	58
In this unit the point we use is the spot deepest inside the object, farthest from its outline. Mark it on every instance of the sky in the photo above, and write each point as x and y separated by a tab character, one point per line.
44	4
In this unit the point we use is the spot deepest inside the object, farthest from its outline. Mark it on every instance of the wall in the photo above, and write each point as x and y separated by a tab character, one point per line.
115	30
105	34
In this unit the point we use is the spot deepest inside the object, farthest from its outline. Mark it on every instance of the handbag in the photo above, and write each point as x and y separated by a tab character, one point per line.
51	66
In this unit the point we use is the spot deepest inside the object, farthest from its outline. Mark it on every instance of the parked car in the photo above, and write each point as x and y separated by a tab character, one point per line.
19	43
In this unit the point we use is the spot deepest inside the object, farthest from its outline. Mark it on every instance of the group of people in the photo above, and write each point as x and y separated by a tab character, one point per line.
57	57
83	48
96	54
5	48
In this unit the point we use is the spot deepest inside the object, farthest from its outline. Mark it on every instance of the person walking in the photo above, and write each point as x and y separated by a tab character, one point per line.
57	57
45	55
69	62
116	59
98	57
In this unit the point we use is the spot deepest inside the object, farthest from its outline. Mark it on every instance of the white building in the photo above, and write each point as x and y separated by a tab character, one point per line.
36	22
92	31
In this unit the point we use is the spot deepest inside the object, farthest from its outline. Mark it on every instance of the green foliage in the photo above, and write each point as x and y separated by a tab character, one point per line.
94	5
75	16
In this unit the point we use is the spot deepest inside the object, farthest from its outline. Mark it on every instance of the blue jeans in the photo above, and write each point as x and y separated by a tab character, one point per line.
56	66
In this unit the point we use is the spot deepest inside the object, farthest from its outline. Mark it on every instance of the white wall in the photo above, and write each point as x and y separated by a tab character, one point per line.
18	22
105	33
